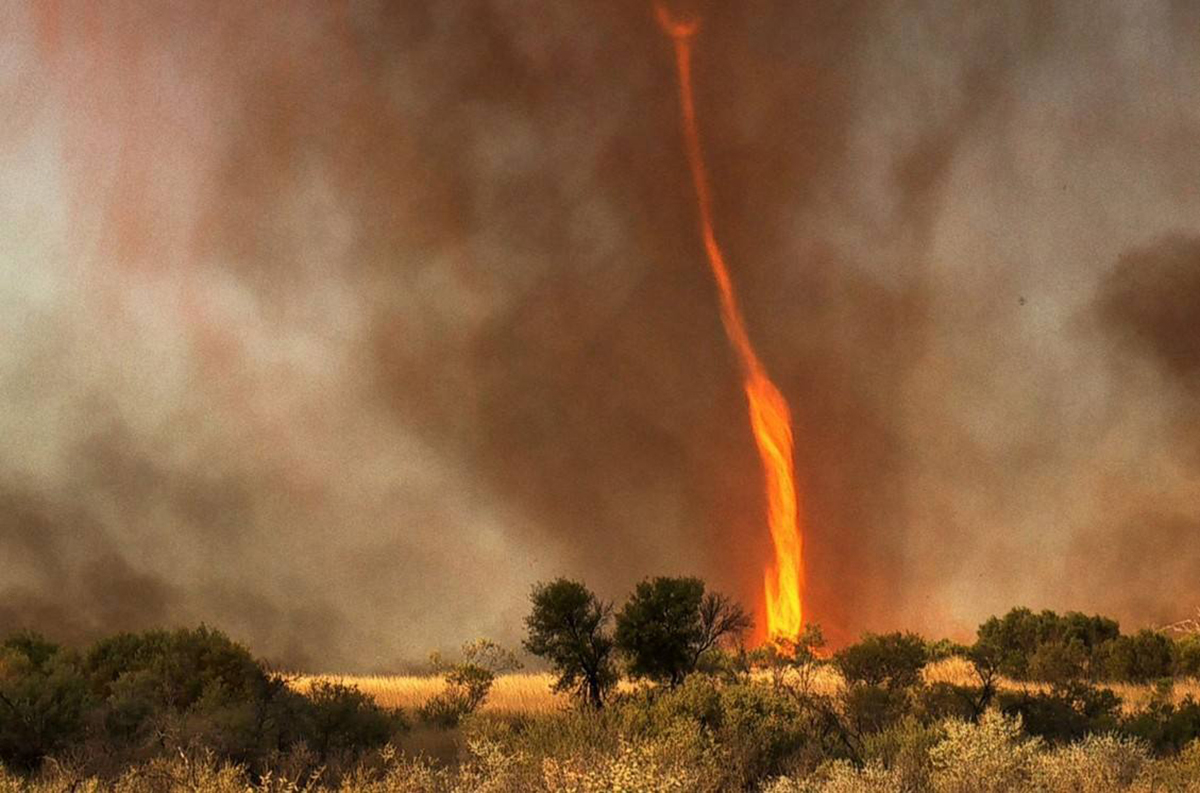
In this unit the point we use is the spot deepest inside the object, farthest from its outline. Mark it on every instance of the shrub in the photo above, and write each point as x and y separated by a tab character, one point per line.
178	667
948	701
342	719
794	662
1140	658
871	708
1066	713
903	749
990	755
1186	656
468	682
44	700
1015	639
1097	764
841	776
766	732
1164	726
1058	662
893	660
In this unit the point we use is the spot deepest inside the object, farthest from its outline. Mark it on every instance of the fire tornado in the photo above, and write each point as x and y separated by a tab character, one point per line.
770	419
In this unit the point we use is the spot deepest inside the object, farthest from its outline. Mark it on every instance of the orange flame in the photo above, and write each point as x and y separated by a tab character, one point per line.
770	418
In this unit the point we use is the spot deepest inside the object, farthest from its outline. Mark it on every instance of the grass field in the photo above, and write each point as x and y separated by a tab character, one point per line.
530	693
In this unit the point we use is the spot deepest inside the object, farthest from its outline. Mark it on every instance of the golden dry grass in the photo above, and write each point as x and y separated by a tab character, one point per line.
530	692
523	693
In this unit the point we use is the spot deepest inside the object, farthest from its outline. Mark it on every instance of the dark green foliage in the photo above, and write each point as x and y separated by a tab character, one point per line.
568	627
942	649
43	699
1046	646
762	729
947	700
343	719
176	667
659	627
1186	656
1058	662
1140	658
135	696
1166	727
892	660
668	625
870	708
1066	713
765	730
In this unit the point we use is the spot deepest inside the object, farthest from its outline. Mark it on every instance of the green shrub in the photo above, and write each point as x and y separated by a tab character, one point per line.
903	749
893	660
1015	639
177	666
1059	661
342	719
1186	656
871	708
44	700
764	731
939	701
1164	726
1066	713
1141	658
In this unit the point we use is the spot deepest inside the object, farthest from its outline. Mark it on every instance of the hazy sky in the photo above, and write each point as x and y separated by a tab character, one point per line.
338	325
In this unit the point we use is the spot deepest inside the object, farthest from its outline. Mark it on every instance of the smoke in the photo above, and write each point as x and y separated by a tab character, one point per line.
340	327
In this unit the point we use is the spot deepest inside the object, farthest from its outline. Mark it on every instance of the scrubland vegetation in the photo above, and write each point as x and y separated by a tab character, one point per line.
658	695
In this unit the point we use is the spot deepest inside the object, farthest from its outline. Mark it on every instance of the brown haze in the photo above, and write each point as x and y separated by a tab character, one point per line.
339	324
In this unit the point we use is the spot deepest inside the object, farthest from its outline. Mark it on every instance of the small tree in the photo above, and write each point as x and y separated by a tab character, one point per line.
569	628
669	623
468	682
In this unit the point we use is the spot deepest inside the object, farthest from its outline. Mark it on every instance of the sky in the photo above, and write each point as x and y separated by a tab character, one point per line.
339	325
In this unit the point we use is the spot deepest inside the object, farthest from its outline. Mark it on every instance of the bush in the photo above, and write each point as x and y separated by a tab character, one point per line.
892	660
1164	726
1066	713
44	700
1140	658
1097	764
468	682
342	719
1058	662
941	701
1186	656
1015	639
761	731
871	708
991	755
178	667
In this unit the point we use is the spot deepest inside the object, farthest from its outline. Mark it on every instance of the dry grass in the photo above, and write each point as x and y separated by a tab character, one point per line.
1133	697
530	692
522	693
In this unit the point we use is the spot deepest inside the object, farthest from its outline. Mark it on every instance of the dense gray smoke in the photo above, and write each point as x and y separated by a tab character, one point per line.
338	326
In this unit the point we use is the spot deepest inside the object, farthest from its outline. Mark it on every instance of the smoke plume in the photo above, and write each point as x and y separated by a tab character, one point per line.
339	325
